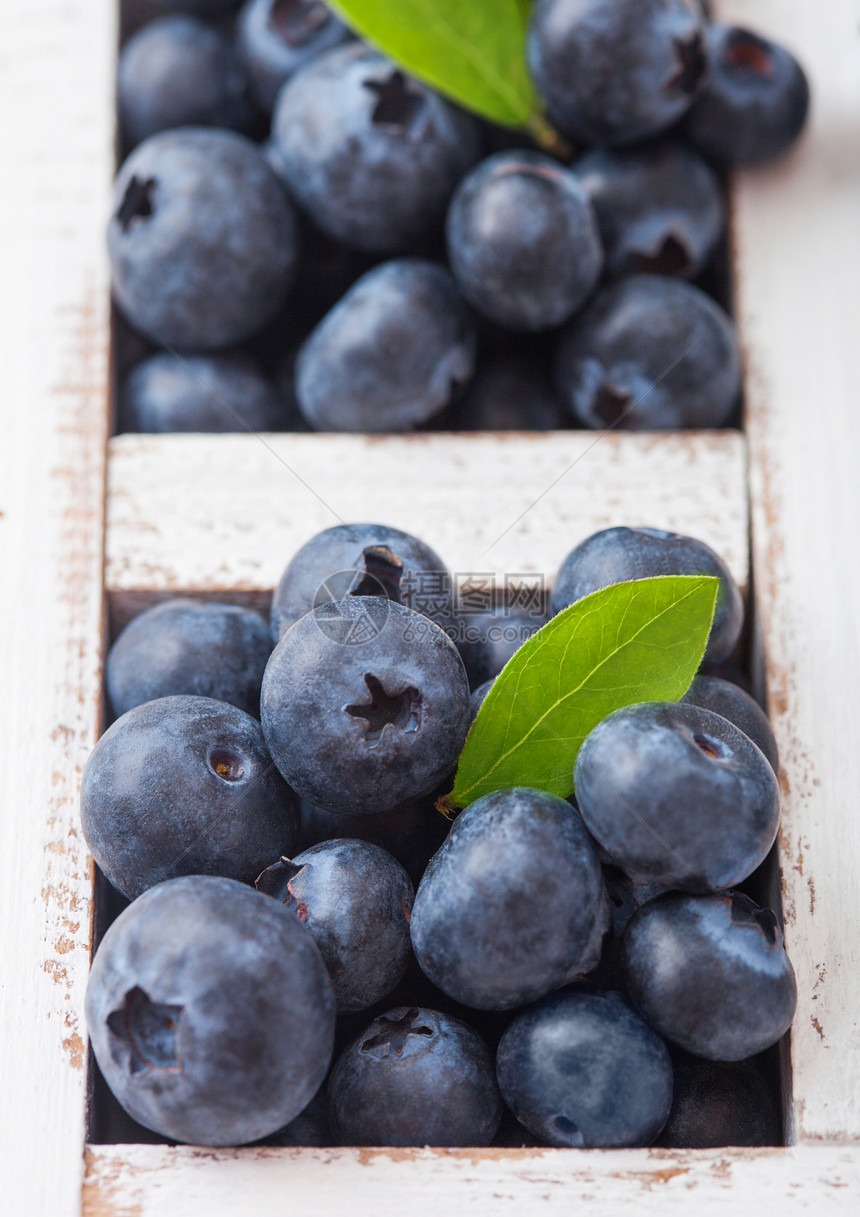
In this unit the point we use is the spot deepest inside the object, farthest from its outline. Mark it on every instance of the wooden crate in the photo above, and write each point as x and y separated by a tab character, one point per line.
84	522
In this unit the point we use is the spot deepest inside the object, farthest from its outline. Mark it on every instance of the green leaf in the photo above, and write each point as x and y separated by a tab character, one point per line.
632	642
471	50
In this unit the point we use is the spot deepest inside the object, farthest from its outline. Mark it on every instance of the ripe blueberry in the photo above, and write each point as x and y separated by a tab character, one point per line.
615	71
523	241
365	705
626	895
311	1127
513	905
710	973
277	37
479	696
395	351
209	7
717	1103
201	239
677	795
183	786
492	637
370	154
205	393
180	72
754	102
650	353
735	704
415	1077
582	1070
210	1012
362	560
356	900
660	208
184	646
615	555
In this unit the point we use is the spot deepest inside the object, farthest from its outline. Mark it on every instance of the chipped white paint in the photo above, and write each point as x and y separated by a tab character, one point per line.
226	513
56	92
147	1181
221	515
797	253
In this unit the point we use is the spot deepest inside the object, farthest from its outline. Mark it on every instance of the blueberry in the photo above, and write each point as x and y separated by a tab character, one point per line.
660	208
510	393
582	1070
311	1127
733	703
180	72
392	353
356	900
616	555
677	795
650	353
372	156
711	974
731	670
415	1077
183	786
523	241
202	393
276	37
184	646
411	833
201	240
210	1012
719	1103
513	905
492	637
362	560
754	101
210	7
365	705
479	696
626	895
615	71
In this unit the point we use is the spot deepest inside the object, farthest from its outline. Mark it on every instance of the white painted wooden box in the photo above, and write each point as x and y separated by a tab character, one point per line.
84	522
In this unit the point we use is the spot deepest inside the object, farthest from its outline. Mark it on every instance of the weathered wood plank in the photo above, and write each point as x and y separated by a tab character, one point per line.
223	514
56	90
797	250
148	1181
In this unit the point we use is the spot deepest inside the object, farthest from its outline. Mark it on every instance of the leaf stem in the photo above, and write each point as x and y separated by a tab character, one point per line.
546	136
447	806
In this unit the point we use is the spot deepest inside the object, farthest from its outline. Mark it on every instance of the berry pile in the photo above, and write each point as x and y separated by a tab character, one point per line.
303	236
543	971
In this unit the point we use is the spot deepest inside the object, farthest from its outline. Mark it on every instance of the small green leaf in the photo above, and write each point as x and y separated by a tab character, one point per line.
632	642
471	50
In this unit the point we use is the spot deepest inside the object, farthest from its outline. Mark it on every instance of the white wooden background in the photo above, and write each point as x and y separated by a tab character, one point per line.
225	514
797	250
